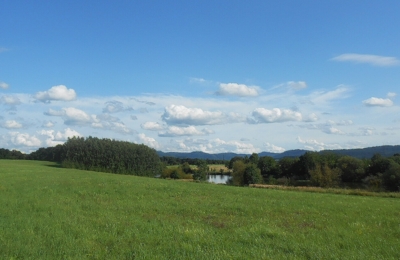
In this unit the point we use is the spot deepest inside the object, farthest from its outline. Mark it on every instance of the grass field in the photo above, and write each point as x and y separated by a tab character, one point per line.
48	212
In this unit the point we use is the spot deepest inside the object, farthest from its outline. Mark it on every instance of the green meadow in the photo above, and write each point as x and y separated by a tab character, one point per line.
47	212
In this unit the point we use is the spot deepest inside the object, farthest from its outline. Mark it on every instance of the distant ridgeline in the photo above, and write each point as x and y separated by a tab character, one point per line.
362	153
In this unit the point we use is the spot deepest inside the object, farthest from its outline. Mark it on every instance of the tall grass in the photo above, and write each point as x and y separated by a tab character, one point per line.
54	213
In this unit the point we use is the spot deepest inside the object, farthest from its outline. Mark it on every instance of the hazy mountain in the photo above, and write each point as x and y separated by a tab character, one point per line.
385	150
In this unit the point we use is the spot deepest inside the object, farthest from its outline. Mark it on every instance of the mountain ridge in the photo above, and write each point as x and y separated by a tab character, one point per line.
360	153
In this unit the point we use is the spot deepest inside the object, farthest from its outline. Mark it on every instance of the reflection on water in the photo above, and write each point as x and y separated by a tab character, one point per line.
218	178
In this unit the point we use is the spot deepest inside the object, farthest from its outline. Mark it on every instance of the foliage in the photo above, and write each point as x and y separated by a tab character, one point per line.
175	173
238	168
233	160
324	176
352	169
268	167
110	156
201	173
251	174
391	177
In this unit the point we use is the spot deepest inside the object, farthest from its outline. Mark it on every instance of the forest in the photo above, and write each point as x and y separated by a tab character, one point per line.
321	169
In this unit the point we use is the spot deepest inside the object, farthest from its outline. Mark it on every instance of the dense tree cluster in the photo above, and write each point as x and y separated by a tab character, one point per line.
13	154
104	155
323	169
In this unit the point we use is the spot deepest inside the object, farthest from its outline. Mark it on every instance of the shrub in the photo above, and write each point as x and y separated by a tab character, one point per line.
323	176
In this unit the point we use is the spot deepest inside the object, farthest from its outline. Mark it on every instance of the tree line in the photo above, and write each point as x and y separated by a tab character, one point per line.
324	169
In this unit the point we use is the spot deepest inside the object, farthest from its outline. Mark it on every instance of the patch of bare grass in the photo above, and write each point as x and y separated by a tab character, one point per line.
357	192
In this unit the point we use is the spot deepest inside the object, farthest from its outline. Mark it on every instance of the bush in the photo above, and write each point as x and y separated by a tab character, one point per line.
391	177
323	176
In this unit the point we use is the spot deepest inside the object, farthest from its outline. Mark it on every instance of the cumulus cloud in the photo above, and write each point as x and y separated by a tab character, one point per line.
115	107
152	126
273	148
10	100
378	102
4	85
149	141
240	90
314	145
23	139
71	116
11	124
48	124
60	92
311	118
262	115
391	95
368	59
211	146
74	116
181	115
58	137
173	131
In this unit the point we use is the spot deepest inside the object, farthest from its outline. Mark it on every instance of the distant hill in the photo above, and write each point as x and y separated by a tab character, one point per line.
385	150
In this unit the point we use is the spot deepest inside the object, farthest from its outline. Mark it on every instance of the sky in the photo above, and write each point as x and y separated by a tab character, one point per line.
212	76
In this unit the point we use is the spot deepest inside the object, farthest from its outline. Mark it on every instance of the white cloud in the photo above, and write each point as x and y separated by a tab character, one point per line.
11	124
2	49
197	80
333	130
380	102
273	148
183	131
4	85
152	126
314	145
149	141
262	115
23	139
324	97
115	106
311	118
48	124
10	100
367	58
58	137
391	95
211	146
60	92
234	89
74	116
297	85
181	115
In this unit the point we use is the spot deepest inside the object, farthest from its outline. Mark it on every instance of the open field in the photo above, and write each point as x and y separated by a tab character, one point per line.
48	212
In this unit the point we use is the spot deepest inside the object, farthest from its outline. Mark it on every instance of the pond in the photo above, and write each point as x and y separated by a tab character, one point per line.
218	178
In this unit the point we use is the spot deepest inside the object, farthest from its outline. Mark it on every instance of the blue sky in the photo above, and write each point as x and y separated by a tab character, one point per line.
212	76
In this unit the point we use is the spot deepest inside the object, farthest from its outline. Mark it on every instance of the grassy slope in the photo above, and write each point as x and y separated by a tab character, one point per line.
52	213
